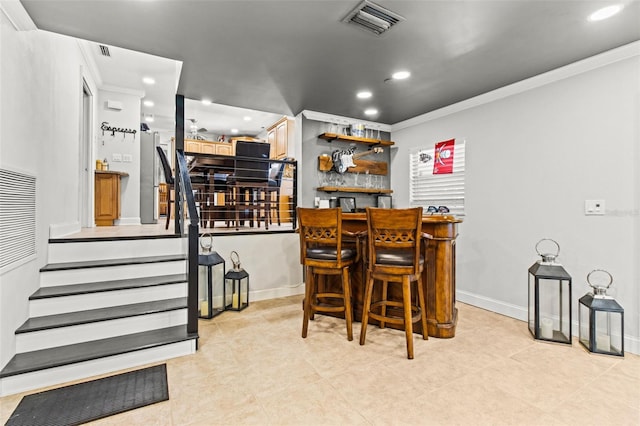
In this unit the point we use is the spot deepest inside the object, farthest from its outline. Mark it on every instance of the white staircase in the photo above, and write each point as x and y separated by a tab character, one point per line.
103	305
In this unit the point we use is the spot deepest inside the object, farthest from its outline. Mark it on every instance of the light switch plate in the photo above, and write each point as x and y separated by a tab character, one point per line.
127	158
115	157
594	207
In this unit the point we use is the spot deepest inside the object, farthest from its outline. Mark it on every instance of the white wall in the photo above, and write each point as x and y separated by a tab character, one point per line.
122	144
272	261
41	94
533	158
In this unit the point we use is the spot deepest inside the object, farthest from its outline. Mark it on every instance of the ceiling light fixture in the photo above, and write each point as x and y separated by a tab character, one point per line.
148	118
400	75
247	118
206	102
605	12
148	80
365	94
371	111
148	103
234	131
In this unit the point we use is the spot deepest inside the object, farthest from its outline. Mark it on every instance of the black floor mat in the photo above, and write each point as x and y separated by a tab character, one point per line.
84	402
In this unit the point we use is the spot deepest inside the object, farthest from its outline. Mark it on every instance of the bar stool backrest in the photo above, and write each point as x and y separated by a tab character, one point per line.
321	237
394	240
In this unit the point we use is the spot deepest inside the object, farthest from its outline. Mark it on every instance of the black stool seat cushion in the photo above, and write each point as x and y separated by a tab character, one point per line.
329	253
395	257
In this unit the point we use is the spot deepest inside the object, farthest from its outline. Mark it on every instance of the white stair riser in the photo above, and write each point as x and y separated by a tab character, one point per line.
53	376
98	250
108	273
43	339
84	302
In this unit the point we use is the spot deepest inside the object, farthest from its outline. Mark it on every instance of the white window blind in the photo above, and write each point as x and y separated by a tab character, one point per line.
17	217
429	189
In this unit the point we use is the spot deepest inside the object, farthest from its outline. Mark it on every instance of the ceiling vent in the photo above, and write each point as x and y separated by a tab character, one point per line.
373	18
104	50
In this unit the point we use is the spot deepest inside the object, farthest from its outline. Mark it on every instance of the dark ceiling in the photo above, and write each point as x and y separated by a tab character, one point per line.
286	56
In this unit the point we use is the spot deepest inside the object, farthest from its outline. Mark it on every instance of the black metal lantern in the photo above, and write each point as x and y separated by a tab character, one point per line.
211	291
237	280
601	320
549	298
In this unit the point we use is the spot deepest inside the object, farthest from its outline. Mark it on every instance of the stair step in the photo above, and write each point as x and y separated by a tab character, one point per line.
28	362
103	314
97	287
69	250
65	266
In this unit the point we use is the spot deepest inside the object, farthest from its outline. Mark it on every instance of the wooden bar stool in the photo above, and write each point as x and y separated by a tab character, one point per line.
394	237
322	253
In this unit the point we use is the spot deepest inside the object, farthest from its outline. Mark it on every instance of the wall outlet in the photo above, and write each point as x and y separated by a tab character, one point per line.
593	207
127	158
316	201
115	157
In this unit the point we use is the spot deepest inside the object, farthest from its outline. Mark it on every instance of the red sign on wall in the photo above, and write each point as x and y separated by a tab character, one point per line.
443	157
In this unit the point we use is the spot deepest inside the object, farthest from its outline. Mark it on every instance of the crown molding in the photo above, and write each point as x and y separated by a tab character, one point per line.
606	58
17	15
331	118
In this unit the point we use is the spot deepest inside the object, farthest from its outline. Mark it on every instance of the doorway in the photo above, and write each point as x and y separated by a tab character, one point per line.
85	157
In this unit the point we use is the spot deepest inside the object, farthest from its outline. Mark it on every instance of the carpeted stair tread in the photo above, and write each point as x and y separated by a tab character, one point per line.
96	287
102	314
64	355
101	263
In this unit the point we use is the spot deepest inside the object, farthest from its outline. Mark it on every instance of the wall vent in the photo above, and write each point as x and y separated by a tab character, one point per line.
104	50
372	17
17	217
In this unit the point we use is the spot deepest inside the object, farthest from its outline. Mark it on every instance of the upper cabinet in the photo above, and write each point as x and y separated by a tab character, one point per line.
278	136
210	147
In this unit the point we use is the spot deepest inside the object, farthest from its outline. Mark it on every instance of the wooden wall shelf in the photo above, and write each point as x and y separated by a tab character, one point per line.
354	189
344	138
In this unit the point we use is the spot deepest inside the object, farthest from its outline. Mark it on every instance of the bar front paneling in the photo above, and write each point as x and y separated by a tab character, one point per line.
438	279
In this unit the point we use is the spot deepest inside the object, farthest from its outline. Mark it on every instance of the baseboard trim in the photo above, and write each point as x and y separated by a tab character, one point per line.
631	343
274	293
127	221
58	230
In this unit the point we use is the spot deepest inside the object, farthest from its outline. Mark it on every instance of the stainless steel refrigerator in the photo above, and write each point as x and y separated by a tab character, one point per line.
150	177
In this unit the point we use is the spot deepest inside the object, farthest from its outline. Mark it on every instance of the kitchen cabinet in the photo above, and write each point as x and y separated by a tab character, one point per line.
210	147
278	136
107	197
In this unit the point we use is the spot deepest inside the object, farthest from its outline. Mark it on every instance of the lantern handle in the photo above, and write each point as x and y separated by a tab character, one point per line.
548	257
599	287
206	247
236	262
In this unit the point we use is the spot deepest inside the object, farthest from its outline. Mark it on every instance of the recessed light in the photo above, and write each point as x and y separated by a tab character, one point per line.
400	75
247	118
206	102
234	131
148	80
148	103
605	12
371	111
148	118
365	94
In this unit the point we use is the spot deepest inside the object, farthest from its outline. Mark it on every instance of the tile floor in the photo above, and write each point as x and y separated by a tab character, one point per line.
254	368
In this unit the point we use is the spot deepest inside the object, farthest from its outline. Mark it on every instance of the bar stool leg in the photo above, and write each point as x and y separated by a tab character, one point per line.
346	291
408	325
423	310
365	308
308	289
383	308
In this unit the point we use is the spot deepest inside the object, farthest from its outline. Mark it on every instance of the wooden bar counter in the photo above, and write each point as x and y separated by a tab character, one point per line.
438	278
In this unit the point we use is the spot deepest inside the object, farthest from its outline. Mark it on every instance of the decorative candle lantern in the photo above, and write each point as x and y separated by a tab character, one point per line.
211	291
549	297
237	280
601	320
